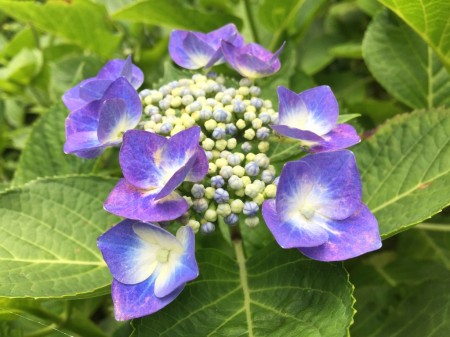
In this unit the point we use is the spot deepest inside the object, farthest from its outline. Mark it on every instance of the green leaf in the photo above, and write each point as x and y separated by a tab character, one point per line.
79	21
275	293
49	229
430	19
404	65
23	67
43	155
172	15
405	169
343	118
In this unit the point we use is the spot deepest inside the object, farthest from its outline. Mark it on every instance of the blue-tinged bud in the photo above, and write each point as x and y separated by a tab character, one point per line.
218	133
174	84
226	99
226	171
199	93
230	91
256	102
211	102
249	116
164	104
211	74
166	128
255	91
205	114
234	159
246	147
207	228
194	106
198	191
165	90
157	118
231	219
239	107
221	196
187	99
230	129
200	205
217	181
245	82
209	155
185	92
220	115
224	154
144	93
263	133
235	183
250	208
274	118
264	117
267	176
262	160
151	110
252	169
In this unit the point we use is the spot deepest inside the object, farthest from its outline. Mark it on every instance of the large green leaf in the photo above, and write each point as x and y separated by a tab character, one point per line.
170	14
49	229
404	65
430	19
43	155
405	169
275	293
79	21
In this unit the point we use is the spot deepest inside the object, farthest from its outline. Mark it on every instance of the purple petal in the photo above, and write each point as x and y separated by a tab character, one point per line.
83	144
293	233
112	121
314	110
71	97
181	147
341	137
84	119
308	137
200	167
190	50
121	89
227	33
138	300
252	60
127	201
326	183
93	90
348	238
336	184
183	269
117	68
140	158
130	259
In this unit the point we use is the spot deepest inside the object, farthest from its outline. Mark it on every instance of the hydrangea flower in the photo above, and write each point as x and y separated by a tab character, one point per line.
311	117
153	167
194	50
94	88
101	123
318	208
252	60
149	265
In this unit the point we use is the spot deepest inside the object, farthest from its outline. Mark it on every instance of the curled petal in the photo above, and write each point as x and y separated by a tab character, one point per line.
127	201
341	137
118	68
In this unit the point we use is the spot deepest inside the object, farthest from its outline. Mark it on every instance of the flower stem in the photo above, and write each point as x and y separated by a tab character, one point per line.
251	20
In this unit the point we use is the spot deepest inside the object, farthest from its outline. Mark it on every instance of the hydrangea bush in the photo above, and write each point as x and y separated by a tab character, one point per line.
199	175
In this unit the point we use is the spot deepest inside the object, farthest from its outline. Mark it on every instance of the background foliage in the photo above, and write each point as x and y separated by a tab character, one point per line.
387	61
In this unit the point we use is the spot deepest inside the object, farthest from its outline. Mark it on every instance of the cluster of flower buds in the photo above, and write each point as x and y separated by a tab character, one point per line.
199	155
235	126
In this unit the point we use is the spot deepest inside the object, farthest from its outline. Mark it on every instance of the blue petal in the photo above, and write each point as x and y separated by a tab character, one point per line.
117	68
341	137
130	259
127	201
93	90
138	300
181	267
294	232
348	238
141	159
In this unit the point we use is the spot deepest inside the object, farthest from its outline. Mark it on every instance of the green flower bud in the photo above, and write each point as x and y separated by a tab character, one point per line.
221	162
239	170
210	124
270	191
250	156
249	134
208	144
212	168
221	144
211	215
175	102
223	210
194	224
259	199
263	146
251	190
237	206
231	143
257	123
240	193
246	180
240	124
209	192
244	91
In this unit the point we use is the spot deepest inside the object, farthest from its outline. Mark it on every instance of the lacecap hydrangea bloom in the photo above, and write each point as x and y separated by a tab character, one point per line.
200	155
